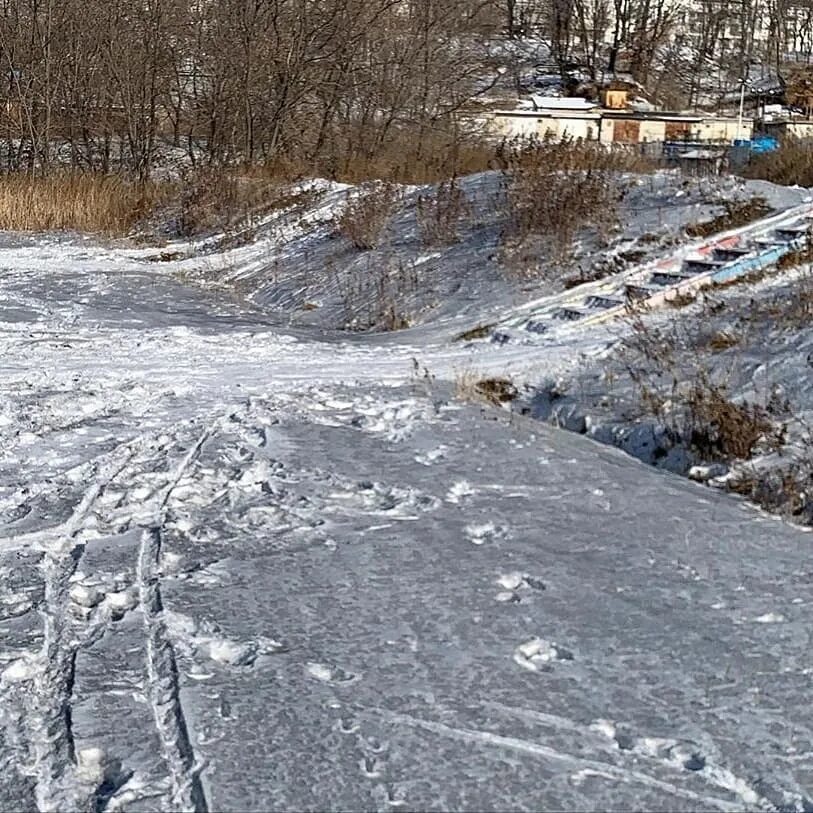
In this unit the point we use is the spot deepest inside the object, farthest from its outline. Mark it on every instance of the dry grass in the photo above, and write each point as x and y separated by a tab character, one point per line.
205	202
674	384
721	429
785	489
722	340
569	155
440	215
478	332
365	216
801	256
497	391
378	296
790	309
736	213
790	165
405	157
107	205
553	191
682	299
232	202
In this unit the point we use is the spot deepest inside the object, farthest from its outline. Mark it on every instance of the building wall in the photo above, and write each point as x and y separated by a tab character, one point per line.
586	129
607	131
509	126
653	130
631	130
624	129
557	127
724	129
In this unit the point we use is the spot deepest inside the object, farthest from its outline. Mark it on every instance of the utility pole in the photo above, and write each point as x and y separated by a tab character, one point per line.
742	104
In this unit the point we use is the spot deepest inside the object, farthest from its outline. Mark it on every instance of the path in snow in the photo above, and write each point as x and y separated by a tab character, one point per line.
245	568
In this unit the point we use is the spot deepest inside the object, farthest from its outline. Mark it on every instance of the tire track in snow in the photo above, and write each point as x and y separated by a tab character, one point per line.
49	702
666	752
162	689
550	754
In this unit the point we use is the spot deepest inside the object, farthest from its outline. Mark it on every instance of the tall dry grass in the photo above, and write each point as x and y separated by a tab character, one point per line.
101	204
555	190
365	216
790	165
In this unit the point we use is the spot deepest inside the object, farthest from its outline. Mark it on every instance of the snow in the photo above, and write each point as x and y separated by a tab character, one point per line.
536	653
312	579
562	103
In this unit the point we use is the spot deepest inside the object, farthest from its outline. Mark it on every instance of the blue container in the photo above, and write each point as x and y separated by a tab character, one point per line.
764	143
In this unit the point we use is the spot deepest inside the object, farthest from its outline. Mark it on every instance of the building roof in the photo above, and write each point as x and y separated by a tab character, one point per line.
651	115
590	113
562	103
701	155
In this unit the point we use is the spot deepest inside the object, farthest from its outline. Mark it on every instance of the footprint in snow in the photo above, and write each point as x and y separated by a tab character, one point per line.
486	532
432	456
330	674
371	767
459	491
537	655
513	583
346	725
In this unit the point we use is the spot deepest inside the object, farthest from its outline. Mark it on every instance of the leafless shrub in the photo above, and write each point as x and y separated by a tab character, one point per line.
790	165
785	489
365	216
569	154
790	309
553	191
440	215
377	297
720	429
471	387
399	159
219	200
675	386
735	213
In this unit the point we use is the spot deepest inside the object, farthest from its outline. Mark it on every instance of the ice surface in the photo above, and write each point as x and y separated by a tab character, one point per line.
248	567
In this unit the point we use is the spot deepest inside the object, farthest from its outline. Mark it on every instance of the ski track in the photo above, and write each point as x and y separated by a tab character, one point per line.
51	733
234	384
550	754
604	737
162	689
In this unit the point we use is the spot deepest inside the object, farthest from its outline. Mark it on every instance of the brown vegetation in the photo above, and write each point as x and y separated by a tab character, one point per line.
553	191
108	205
784	489
497	390
720	429
365	216
675	385
735	213
478	332
441	214
217	200
376	295
790	165
789	309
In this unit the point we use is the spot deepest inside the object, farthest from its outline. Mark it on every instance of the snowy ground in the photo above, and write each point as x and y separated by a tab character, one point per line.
255	566
297	267
753	340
